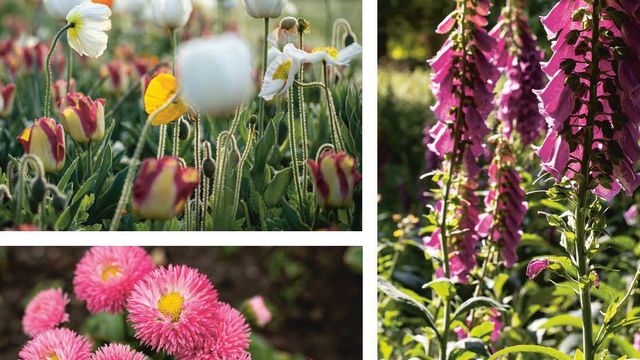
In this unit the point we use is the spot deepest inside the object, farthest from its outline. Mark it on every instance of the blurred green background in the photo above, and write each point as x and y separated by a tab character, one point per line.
406	39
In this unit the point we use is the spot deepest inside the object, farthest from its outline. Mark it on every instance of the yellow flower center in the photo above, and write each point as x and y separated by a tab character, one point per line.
282	72
171	305
76	20
111	272
331	51
53	356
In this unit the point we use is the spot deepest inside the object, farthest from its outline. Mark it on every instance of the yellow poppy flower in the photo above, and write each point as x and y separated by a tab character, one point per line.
160	90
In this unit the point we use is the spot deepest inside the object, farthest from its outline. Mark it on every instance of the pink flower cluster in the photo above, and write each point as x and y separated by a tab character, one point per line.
518	56
565	100
462	82
463	244
174	309
507	208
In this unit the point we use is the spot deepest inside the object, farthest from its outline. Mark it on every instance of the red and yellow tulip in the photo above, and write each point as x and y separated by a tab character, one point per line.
82	117
7	97
45	139
335	176
162	188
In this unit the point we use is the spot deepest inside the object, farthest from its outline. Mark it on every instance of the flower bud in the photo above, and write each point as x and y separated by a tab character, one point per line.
162	188
335	176
208	167
258	310
7	98
59	201
82	117
171	14
264	8
38	189
45	139
185	129
536	266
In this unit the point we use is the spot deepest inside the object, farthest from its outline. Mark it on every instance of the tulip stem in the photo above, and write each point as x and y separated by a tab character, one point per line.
126	190
90	158
261	109
47	90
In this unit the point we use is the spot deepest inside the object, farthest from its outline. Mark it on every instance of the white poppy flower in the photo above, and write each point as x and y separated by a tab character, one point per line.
171	14
332	56
281	72
264	8
91	22
58	9
214	73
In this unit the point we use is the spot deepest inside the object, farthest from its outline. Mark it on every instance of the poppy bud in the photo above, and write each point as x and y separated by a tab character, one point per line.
162	188
82	117
335	176
38	189
185	129
208	167
59	201
45	139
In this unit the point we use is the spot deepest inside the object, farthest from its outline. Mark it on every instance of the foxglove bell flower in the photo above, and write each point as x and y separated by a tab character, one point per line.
45	139
7	98
463	63
171	14
82	117
45	312
518	56
264	8
463	245
281	72
58	9
631	215
335	176
506	206
162	188
56	344
536	266
105	276
88	35
215	73
565	101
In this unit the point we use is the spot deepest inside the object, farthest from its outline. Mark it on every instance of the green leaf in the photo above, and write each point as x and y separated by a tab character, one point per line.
105	327
443	287
555	354
479	301
263	150
64	180
68	215
277	187
579	355
562	320
391	291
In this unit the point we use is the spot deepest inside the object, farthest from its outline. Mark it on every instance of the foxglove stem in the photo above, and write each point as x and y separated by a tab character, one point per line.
23	171
584	187
47	90
126	190
264	72
292	147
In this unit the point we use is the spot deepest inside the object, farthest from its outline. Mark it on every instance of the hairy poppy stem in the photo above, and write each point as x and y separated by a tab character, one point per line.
47	90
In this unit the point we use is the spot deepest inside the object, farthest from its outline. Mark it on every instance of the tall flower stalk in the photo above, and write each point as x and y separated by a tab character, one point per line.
463	80
591	105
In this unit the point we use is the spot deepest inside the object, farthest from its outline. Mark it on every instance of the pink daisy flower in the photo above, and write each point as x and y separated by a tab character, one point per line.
57	344
228	340
117	352
105	276
259	310
45	311
173	309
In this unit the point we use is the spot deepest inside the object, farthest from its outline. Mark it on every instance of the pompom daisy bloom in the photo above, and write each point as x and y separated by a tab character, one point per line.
259	310
228	339
61	344
173	309
58	9
117	352
90	22
105	276
45	312
215	73
333	56
281	72
161	89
